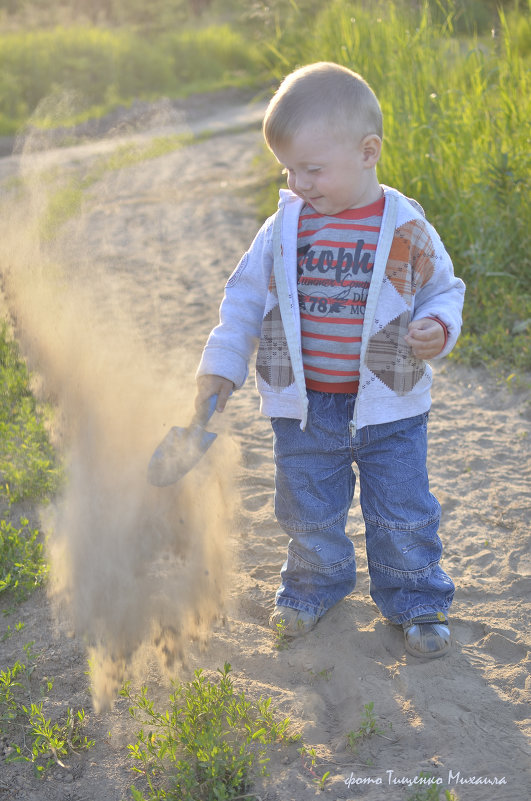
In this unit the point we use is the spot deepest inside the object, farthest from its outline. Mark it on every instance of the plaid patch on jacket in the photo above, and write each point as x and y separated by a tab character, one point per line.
411	264
273	362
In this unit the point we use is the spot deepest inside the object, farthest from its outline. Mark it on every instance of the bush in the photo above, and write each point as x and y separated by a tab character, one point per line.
207	745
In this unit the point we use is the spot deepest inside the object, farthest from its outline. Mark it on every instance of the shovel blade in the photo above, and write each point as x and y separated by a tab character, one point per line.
178	453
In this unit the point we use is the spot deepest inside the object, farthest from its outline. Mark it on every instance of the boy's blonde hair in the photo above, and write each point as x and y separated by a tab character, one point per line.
323	91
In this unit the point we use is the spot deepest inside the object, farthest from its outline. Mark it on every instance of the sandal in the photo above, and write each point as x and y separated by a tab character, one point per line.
427	635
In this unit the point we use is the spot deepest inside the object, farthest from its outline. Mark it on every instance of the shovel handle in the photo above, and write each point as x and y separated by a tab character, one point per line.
205	411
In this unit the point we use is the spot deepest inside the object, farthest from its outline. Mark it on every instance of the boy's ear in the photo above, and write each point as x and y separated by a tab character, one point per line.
371	147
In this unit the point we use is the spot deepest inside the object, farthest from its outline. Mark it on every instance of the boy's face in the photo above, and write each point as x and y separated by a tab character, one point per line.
329	172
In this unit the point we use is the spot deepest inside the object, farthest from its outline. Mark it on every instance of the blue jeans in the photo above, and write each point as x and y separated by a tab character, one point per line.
313	494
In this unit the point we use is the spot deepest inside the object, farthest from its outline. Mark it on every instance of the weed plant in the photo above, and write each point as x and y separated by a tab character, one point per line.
9	632
369	728
28	466
282	641
29	473
432	793
206	746
309	763
22	563
33	736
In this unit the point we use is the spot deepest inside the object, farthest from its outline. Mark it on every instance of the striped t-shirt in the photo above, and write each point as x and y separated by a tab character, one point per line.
335	258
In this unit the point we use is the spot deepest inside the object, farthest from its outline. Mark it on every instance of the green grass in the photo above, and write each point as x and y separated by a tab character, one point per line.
68	74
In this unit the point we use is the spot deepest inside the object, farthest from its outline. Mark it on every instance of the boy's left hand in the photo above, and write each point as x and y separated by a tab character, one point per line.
426	338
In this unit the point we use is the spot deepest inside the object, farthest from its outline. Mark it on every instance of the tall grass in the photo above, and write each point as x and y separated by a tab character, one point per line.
456	122
101	68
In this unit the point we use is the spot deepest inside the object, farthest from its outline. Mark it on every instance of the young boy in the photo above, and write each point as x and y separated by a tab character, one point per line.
348	290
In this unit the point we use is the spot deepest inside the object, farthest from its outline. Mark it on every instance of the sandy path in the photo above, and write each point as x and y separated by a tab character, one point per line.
159	239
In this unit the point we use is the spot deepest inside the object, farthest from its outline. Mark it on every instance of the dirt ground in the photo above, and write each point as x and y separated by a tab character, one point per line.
116	338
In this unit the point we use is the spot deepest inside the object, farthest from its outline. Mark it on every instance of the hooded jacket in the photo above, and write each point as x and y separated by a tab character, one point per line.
412	278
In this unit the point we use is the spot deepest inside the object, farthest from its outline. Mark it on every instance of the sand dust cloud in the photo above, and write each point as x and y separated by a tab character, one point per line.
133	567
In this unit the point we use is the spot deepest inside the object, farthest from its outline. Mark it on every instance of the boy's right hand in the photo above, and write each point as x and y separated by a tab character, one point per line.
208	385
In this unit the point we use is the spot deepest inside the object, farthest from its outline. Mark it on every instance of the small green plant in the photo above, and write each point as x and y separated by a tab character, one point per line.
369	728
306	753
322	781
321	674
9	631
51	742
207	745
28	472
28	468
281	638
309	762
34	737
22	563
431	793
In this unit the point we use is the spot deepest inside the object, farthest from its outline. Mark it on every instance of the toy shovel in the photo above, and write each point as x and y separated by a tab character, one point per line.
182	448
